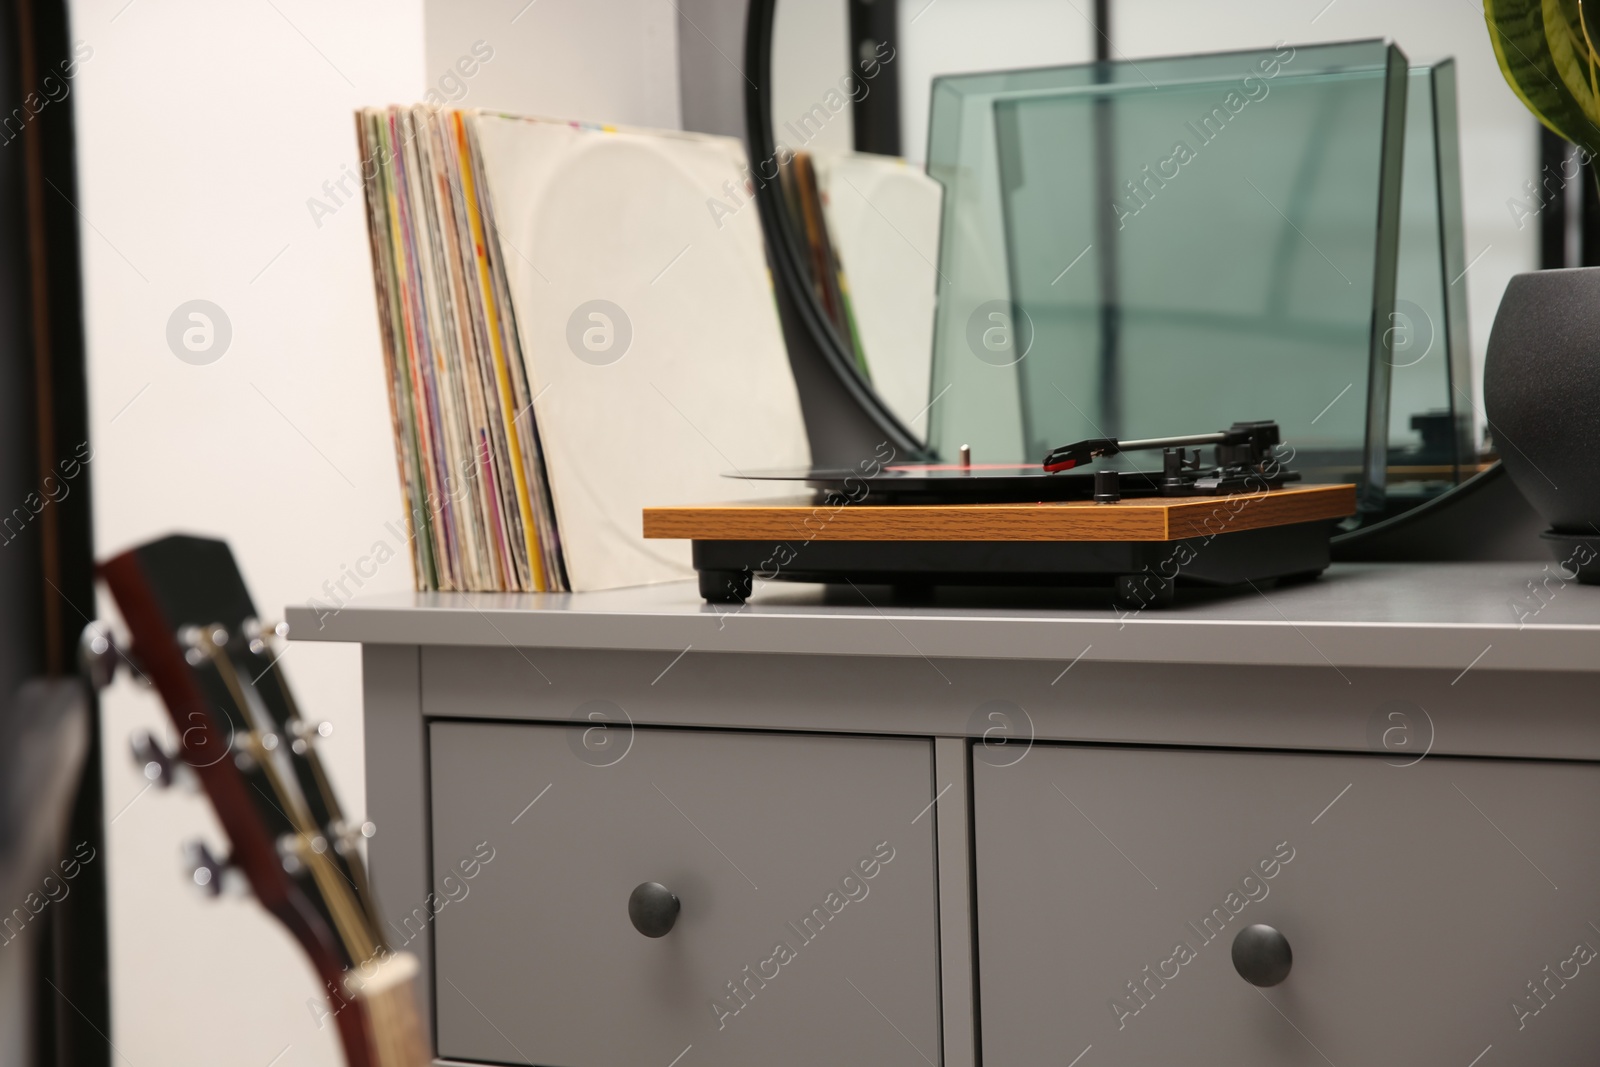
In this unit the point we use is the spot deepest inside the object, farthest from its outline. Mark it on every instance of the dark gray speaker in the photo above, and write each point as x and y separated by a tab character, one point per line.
1541	393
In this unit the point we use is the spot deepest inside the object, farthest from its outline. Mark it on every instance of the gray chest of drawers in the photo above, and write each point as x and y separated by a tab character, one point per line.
631	828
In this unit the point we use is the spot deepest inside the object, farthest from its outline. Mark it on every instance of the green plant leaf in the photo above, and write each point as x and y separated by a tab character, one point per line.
1573	58
1517	30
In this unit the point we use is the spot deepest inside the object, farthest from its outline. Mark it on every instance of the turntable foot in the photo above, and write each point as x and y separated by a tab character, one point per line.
725	587
1143	591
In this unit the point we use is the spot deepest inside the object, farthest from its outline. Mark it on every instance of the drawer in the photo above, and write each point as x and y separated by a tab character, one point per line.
807	930
1420	903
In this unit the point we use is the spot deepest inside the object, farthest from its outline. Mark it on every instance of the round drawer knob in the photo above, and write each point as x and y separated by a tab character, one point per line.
1261	955
653	909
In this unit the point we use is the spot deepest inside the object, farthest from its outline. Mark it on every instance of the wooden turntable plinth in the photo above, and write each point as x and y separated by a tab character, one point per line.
1142	547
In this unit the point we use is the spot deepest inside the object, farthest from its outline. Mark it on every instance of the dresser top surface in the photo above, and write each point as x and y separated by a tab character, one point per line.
1479	615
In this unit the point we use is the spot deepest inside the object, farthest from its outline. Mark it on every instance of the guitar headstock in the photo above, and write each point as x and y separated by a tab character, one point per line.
196	636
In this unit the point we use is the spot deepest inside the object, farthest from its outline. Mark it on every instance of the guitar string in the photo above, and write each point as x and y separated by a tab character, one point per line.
283	784
352	858
347	916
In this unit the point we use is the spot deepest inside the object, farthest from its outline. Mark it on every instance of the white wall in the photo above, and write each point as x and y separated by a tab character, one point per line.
606	61
204	130
956	36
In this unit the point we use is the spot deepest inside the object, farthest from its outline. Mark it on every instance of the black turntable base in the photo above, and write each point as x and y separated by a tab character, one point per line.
1139	573
1139	548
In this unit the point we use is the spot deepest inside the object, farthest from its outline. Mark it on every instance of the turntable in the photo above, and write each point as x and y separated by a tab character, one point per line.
1236	520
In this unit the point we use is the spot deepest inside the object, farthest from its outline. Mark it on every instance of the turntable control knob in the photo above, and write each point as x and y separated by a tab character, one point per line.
1107	487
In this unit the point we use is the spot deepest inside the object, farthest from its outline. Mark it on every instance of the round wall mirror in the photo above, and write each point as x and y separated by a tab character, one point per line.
872	116
849	112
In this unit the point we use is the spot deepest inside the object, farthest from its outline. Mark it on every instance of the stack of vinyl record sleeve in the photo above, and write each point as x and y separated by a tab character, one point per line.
523	453
468	449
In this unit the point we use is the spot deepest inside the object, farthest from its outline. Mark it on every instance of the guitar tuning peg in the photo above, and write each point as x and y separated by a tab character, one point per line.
98	655
253	628
197	641
261	635
153	761
307	731
346	835
209	874
289	849
159	766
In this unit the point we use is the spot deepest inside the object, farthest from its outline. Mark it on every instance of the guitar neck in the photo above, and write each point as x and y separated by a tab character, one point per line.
197	638
386	990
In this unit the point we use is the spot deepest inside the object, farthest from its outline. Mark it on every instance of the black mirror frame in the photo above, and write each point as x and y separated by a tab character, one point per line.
789	269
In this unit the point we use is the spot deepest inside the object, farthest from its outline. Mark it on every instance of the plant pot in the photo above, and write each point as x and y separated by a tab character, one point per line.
1541	393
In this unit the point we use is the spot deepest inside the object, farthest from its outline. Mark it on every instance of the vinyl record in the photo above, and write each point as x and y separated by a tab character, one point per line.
949	483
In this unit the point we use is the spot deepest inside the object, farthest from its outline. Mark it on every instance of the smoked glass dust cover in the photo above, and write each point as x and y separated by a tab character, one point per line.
1158	246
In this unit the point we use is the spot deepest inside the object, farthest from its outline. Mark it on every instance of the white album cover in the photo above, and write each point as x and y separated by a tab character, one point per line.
648	328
